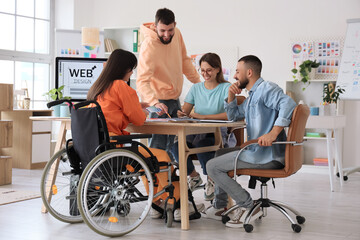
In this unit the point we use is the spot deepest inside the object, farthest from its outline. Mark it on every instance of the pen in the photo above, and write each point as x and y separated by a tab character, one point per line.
168	115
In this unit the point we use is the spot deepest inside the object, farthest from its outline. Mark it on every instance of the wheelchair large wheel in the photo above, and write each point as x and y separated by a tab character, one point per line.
58	189
122	183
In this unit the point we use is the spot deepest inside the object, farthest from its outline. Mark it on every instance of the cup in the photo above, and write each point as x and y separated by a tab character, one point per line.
64	111
26	103
314	111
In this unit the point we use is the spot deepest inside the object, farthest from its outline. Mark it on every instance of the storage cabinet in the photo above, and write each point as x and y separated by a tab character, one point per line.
6	134
314	147
32	139
124	39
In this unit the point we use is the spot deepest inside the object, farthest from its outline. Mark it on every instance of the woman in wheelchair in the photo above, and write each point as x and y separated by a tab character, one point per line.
120	106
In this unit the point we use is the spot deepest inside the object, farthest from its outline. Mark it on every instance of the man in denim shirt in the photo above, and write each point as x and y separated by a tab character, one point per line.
267	111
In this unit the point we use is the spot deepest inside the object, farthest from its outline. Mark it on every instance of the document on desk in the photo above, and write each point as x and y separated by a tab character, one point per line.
187	120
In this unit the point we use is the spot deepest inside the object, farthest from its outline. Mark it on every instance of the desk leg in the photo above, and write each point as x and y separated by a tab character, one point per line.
49	182
338	154
183	181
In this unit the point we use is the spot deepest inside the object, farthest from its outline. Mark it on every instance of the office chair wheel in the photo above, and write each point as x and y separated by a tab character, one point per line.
300	219
296	228
225	219
169	218
121	181
248	228
345	177
58	192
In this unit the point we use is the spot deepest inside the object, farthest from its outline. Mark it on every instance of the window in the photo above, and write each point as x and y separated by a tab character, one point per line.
25	49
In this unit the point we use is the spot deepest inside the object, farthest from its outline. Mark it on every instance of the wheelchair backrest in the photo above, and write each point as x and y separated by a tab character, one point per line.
88	129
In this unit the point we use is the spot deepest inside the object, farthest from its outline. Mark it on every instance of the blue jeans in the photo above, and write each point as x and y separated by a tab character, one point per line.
195	141
218	168
165	142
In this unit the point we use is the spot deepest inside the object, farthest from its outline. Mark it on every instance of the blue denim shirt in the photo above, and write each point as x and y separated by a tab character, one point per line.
266	106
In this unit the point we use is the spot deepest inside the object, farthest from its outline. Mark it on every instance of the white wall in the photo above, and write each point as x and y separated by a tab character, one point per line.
64	14
261	27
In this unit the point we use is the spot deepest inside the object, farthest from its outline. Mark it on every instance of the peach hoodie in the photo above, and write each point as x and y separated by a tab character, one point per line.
161	67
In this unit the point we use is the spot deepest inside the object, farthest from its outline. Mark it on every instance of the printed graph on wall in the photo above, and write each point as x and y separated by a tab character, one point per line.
326	51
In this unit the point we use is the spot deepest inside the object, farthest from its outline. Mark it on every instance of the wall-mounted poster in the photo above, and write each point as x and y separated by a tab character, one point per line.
326	52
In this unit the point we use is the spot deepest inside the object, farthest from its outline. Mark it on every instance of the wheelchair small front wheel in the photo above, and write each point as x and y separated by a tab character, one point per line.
169	218
122	183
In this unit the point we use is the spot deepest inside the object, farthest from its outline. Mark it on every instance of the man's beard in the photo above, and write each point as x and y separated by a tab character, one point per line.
244	83
165	42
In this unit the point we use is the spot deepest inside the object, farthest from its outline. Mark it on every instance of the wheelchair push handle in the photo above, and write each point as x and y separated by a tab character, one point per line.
57	102
85	103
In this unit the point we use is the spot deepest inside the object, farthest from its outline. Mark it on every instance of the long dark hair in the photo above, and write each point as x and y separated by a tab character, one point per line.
214	60
117	66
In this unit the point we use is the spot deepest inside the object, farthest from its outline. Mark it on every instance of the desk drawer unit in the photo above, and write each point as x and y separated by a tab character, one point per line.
41	140
31	139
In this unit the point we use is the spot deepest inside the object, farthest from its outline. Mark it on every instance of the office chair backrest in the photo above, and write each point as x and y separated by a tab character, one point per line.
89	130
296	132
293	153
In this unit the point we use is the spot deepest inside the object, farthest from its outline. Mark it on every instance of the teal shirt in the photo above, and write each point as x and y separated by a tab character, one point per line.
208	101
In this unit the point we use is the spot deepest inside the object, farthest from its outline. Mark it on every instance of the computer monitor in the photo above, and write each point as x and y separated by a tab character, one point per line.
77	75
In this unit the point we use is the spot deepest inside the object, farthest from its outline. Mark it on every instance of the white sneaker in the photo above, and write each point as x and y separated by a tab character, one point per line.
156	214
194	182
209	190
177	213
213	213
239	217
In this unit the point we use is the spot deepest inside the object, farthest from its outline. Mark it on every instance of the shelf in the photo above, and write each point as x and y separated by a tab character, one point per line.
123	36
316	138
316	80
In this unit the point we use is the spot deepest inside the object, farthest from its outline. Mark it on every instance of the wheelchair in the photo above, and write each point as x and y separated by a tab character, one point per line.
104	181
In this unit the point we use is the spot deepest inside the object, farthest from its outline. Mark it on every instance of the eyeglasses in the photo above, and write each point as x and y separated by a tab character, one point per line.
208	71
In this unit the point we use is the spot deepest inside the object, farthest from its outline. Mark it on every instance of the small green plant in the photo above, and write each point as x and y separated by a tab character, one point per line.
304	70
330	94
55	94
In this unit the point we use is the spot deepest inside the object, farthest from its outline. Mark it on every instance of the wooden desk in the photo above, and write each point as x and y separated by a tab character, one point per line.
181	130
331	123
173	128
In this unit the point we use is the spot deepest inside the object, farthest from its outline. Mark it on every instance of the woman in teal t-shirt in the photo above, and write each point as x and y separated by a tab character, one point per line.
208	99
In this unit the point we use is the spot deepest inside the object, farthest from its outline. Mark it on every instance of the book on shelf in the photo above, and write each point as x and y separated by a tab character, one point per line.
136	38
110	45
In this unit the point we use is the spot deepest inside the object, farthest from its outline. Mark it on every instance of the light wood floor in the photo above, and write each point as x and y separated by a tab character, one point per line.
329	215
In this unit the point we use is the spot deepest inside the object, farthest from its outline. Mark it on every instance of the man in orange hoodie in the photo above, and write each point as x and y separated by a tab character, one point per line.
163	61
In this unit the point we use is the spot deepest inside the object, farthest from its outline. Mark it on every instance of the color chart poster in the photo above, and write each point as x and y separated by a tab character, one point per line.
327	53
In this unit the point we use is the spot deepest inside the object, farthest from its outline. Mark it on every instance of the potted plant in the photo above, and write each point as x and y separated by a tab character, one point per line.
330	98
56	94
305	68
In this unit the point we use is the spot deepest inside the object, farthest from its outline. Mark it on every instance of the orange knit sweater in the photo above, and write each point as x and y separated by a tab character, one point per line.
120	105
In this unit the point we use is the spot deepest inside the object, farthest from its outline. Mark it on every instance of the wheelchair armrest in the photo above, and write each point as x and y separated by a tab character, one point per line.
129	138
